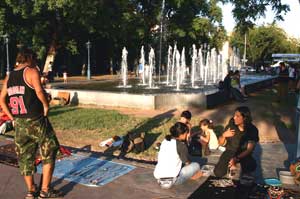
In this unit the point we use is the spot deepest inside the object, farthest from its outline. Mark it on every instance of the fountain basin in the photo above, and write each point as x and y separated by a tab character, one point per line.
163	98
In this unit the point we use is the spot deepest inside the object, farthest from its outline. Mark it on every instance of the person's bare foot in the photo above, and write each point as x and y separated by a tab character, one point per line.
197	175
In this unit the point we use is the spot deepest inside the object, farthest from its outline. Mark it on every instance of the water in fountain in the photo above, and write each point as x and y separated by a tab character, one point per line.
142	61
193	71
178	73
173	63
151	67
214	66
124	66
182	66
169	64
206	68
200	64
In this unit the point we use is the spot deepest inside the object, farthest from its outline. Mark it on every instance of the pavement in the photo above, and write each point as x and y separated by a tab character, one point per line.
140	183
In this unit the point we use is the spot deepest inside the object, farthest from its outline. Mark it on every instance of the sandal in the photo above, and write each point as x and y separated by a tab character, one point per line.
52	193
32	194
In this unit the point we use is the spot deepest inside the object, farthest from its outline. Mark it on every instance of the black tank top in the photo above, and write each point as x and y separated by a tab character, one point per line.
22	99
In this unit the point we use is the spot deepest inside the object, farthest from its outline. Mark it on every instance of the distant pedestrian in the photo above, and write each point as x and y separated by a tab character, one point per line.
65	77
292	78
28	110
283	79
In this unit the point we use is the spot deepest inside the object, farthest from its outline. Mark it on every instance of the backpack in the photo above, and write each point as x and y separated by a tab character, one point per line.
133	141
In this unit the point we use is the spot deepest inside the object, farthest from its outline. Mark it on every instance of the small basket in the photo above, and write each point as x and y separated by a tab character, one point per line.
286	177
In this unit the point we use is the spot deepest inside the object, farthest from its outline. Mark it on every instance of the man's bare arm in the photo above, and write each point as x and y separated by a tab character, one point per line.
3	99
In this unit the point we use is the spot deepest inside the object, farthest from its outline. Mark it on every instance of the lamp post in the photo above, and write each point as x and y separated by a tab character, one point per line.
88	45
6	40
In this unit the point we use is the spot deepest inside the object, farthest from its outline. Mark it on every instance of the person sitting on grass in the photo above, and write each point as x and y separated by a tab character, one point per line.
208	138
185	118
174	166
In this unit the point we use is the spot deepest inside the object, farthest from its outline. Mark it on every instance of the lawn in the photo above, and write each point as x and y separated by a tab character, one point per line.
79	127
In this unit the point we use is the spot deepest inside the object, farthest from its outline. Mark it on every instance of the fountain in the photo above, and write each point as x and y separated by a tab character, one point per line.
142	62
124	67
169	64
193	71
182	66
207	67
177	70
151	67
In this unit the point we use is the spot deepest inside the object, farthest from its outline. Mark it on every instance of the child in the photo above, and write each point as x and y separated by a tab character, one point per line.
208	138
185	118
173	165
65	76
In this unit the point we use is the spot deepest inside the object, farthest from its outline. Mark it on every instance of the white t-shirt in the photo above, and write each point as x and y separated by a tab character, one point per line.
168	163
291	72
213	140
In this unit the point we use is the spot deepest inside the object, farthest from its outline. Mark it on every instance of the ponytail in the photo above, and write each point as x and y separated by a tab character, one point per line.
207	122
176	130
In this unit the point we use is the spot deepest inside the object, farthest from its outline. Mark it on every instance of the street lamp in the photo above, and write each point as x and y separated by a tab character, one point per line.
6	40
88	45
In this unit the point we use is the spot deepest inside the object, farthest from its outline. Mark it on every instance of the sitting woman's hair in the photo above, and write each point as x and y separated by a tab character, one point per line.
245	112
186	114
207	122
176	130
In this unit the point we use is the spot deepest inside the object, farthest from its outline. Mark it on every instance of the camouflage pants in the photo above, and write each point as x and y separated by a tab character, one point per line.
32	135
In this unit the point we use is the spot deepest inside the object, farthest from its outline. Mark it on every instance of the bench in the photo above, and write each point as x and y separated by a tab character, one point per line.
62	98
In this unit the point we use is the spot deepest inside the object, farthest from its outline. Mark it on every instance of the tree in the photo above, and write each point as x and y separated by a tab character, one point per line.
64	26
246	12
263	41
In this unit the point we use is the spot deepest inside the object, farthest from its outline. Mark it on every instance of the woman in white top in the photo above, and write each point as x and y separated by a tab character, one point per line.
174	165
208	138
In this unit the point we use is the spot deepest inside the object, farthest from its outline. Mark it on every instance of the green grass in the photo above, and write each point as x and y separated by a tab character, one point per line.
92	124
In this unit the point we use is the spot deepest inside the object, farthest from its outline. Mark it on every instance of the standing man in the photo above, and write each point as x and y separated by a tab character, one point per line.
283	80
50	73
28	109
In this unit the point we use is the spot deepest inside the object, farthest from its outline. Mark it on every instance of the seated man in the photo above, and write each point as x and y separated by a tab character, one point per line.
5	122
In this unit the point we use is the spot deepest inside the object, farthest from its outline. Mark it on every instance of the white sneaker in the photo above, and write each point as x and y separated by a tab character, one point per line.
3	128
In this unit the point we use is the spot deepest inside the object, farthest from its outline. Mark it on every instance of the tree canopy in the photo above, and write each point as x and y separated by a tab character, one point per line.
64	26
263	41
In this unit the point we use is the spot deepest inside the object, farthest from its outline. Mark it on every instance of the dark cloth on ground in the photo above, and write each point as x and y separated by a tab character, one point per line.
208	191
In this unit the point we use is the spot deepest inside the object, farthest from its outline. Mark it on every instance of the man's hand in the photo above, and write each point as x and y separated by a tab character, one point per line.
46	110
232	163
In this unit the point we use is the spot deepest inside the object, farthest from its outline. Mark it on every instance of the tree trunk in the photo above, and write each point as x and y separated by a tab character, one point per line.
50	55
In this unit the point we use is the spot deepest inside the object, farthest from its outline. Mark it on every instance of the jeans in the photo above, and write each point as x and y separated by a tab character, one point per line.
187	172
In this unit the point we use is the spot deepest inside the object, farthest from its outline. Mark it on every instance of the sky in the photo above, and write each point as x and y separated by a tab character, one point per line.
290	23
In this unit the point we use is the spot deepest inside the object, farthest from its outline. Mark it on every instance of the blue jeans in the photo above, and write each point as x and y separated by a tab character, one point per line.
187	172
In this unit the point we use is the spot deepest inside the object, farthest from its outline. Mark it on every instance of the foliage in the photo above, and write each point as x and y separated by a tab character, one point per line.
264	41
66	25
